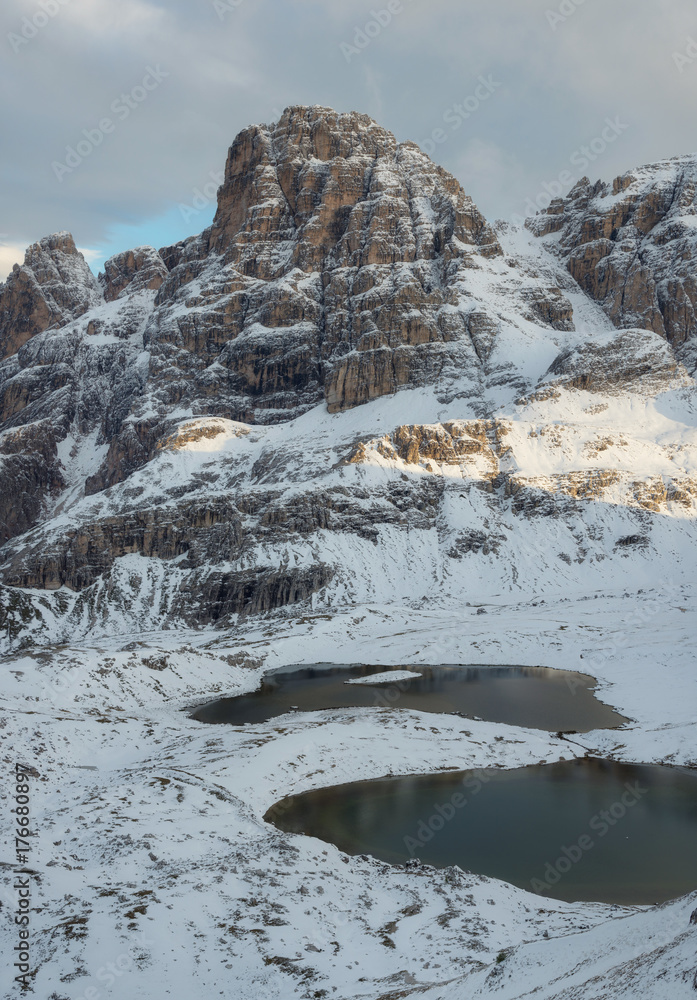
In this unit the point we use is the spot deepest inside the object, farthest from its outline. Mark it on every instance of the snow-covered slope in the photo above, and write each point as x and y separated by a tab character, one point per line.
575	445
153	857
632	245
411	402
350	422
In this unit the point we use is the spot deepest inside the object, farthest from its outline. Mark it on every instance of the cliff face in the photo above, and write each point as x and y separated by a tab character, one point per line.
52	287
340	267
349	367
330	274
632	245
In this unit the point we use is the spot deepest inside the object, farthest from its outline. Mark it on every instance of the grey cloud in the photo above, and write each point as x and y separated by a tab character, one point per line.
239	64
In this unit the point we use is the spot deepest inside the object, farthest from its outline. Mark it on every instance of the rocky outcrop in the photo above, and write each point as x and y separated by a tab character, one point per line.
550	307
329	273
254	592
29	473
203	532
180	431
632	245
531	495
635	361
131	272
474	446
51	288
341	267
67	383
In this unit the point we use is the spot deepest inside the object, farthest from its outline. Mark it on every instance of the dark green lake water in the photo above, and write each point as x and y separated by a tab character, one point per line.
577	830
536	697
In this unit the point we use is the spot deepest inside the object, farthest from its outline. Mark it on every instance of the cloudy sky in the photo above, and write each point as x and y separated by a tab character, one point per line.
537	79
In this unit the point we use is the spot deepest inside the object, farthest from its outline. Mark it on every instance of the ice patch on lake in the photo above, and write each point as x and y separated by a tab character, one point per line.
385	678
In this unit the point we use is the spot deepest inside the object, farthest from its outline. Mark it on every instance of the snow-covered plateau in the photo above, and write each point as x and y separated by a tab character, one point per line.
352	422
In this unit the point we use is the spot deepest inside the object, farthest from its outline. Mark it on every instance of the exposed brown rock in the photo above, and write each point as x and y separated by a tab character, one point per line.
342	266
475	446
190	433
340	249
133	271
550	307
52	287
632	246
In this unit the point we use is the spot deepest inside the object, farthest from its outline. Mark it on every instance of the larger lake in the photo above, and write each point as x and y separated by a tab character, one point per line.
576	830
537	697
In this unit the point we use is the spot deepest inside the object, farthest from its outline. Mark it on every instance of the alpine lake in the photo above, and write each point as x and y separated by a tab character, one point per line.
586	829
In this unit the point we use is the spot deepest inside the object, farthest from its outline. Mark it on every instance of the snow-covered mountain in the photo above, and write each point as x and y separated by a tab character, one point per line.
349	423
350	385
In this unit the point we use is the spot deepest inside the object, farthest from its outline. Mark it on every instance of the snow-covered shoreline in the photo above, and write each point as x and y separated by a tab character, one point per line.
171	820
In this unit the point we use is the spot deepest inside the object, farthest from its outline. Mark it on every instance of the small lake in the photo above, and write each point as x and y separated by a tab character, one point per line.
536	697
586	829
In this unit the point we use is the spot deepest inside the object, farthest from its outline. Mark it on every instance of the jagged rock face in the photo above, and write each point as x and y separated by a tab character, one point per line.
330	273
51	288
205	534
133	271
607	365
66	389
341	266
474	446
321	191
29	473
632	245
185	432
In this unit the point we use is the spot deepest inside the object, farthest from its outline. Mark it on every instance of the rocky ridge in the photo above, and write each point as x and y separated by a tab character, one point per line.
349	384
632	246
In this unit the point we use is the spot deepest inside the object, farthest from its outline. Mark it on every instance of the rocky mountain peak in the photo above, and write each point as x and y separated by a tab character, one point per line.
330	274
325	180
632	245
342	267
133	271
55	247
53	286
